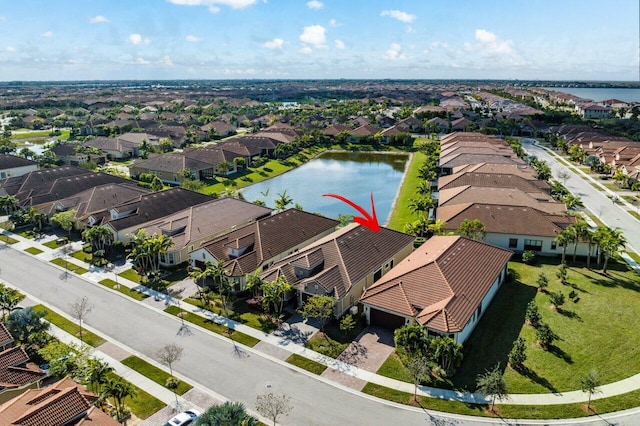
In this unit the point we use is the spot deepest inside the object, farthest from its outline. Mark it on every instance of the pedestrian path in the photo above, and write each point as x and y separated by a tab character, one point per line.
284	343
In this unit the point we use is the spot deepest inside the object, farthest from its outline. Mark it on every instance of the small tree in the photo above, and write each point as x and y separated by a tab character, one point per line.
528	257
272	406
545	336
590	384
419	369
80	309
167	355
492	384
65	220
473	229
411	339
229	413
517	355
319	307
347	323
557	300
543	282
532	315
561	273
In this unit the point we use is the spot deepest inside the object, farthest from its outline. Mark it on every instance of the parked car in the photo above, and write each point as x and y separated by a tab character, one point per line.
183	419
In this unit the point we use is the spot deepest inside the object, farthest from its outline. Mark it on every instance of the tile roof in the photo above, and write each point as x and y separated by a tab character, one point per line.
267	238
5	336
494	180
441	283
12	161
99	198
500	195
172	163
38	178
353	251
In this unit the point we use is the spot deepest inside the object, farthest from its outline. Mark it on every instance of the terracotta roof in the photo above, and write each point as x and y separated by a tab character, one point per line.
354	251
5	336
523	170
494	180
267	238
503	196
441	283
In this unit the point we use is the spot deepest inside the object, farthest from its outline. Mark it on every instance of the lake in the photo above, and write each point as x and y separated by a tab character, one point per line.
354	175
601	94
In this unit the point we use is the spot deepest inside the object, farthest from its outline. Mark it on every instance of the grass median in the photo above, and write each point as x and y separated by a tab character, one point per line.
70	327
306	364
69	266
134	294
154	373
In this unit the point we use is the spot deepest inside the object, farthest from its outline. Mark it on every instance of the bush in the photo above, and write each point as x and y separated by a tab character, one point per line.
528	257
545	336
532	315
517	355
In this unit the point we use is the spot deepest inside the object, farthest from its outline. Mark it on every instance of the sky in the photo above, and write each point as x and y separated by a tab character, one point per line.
319	39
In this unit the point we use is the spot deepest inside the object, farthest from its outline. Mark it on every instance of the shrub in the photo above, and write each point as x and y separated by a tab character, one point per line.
545	336
528	257
557	299
532	315
517	355
543	282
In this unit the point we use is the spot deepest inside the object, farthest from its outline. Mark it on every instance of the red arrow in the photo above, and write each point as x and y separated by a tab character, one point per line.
368	220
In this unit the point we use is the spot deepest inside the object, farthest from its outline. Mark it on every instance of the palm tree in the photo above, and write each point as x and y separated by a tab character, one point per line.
9	299
447	352
420	206
229	413
423	188
611	245
9	203
572	202
253	282
578	231
564	238
98	237
283	201
590	239
118	389
97	374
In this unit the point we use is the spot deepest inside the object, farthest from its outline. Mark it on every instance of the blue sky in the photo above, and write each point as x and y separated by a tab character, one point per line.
239	39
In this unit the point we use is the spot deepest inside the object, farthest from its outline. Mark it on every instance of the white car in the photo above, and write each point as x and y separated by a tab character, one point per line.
183	419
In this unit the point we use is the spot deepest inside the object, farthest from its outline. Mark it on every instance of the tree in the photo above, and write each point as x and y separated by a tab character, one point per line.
80	309
572	202
96	374
563	239
545	336
64	360
492	384
283	201
543	282
517	355
419	369
611	243
473	229
411	339
557	300
9	204
590	384
253	282
561	273
223	167
151	181
27	327
146	251
420	206
227	414
532	315
447	352
320	307
118	389
65	220
98	236
347	323
186	174
272	406
168	355
274	293
9	299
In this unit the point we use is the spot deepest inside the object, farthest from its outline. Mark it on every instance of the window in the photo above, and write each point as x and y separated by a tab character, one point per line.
533	245
377	275
553	245
513	242
479	311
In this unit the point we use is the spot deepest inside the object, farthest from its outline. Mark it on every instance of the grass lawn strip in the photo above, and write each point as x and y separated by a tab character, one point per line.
143	404
69	266
154	373
7	239
325	345
107	282
401	214
207	324
241	314
131	275
307	364
33	250
53	244
70	327
81	255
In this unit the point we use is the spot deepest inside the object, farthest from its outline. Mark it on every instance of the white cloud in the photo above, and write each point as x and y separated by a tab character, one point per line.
314	35
47	34
399	15
166	60
339	44
10	49
315	4
141	61
394	53
306	50
213	4
193	39
98	19
276	43
495	48
137	39
334	23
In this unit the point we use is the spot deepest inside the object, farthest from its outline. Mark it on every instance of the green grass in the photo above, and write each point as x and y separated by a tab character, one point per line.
177	275
7	239
131	275
143	404
325	345
634	214
70	327
27	233
241	313
81	255
307	364
597	332
237	336
597	220
53	244
154	373
392	367
69	266
401	214
605	405
634	256
107	282
33	250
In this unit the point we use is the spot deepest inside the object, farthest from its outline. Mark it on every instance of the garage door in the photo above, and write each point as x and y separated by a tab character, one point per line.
385	319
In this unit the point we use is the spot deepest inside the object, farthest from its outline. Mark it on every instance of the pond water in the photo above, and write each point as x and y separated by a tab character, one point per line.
354	175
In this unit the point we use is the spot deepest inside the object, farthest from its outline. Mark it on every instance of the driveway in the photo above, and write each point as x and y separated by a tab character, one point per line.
368	351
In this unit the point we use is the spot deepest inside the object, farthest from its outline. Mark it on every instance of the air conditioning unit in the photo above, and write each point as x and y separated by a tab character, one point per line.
353	310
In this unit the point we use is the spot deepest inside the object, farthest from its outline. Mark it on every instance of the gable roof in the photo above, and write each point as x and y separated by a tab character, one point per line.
267	238
501	196
496	180
38	178
441	283
98	198
171	163
12	161
16	370
346	257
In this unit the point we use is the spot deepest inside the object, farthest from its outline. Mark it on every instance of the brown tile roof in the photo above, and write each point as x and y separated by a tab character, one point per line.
99	198
354	251
501	219
12	161
500	195
492	180
5	336
267	238
36	179
172	163
523	170
334	129
441	283
364	130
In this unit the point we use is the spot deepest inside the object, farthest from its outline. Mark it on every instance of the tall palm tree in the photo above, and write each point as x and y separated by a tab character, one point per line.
97	374
283	201
9	299
118	389
578	231
590	239
611	245
447	352
98	237
564	238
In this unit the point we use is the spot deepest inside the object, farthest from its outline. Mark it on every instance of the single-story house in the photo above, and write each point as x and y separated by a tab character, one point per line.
168	167
445	286
12	166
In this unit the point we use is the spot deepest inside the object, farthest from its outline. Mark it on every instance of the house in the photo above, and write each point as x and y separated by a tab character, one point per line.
448	163
445	286
34	181
461	124
363	132
188	228
516	228
593	110
411	125
494	180
218	129
261	243
64	403
12	166
17	373
168	167
335	129
342	264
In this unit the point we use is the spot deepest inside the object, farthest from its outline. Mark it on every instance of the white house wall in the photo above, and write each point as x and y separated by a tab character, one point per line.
502	240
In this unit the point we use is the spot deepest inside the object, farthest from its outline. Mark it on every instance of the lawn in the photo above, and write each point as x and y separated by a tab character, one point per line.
81	255
107	282
143	404
7	239
392	367
154	373
307	364
70	327
69	266
53	244
241	313
131	275
332	341
33	250
237	336
401	214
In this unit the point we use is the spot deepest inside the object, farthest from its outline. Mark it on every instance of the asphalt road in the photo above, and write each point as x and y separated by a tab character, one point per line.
214	363
596	201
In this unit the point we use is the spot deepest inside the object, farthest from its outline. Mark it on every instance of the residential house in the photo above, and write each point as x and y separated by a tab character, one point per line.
363	132
261	243
447	164
12	166
188	228
35	180
335	129
168	167
17	373
593	110
65	403
446	285
218	129
342	264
